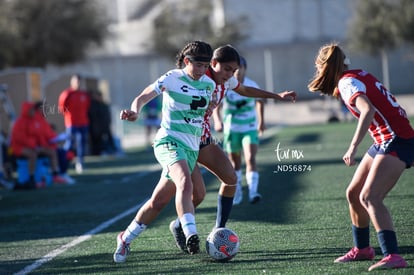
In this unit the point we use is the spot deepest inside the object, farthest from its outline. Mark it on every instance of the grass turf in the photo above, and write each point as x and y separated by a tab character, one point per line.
299	227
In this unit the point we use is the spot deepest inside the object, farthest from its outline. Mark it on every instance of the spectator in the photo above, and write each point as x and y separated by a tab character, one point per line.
64	157
29	139
52	140
74	105
102	141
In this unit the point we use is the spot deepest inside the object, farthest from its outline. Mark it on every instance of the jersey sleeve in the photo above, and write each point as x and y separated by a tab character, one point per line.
233	83
62	101
161	83
350	88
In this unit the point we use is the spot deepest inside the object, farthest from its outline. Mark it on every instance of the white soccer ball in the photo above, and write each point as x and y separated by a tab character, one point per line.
222	244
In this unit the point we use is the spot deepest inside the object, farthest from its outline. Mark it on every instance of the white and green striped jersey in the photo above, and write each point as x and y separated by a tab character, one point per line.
184	104
239	112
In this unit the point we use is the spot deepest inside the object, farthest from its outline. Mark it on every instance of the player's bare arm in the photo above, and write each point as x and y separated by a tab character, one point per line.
367	112
143	98
259	93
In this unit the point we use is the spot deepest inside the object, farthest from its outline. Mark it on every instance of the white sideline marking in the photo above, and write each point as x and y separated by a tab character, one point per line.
83	237
77	241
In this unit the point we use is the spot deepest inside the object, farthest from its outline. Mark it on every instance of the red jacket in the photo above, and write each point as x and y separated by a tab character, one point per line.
46	133
31	130
74	106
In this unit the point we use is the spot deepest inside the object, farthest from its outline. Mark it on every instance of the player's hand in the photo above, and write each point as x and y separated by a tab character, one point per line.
288	96
260	129
349	157
128	115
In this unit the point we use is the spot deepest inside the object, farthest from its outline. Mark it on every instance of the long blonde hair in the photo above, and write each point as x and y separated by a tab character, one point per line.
329	67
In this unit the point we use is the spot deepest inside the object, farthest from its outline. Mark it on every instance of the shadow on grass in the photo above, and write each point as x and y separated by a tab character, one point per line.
306	138
309	253
293	254
277	189
139	262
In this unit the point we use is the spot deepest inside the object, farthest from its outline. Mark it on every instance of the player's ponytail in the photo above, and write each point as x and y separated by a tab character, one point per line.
329	67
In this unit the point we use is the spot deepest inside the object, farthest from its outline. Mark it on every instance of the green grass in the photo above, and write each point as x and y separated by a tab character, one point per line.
299	227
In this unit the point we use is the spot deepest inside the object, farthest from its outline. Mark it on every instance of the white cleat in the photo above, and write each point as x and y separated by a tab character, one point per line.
122	249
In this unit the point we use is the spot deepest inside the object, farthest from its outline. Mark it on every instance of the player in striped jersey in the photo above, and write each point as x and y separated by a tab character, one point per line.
242	123
225	61
187	94
378	113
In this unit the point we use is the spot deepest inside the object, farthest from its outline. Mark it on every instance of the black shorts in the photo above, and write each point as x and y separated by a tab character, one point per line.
399	147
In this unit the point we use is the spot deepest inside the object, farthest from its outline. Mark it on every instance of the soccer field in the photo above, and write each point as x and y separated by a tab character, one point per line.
300	226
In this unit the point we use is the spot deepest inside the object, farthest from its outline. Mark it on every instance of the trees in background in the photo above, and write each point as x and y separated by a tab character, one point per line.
40	32
178	24
380	26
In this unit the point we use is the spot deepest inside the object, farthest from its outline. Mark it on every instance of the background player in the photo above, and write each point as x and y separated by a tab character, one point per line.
243	123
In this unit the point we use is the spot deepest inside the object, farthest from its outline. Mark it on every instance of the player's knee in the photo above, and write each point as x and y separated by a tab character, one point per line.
231	179
369	201
352	195
364	202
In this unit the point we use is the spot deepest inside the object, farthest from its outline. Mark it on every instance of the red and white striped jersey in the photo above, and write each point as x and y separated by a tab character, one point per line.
390	119
218	95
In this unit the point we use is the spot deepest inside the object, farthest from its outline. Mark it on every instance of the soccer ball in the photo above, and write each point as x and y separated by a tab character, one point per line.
222	244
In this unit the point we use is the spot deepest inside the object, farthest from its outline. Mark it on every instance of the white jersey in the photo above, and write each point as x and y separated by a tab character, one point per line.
184	104
239	112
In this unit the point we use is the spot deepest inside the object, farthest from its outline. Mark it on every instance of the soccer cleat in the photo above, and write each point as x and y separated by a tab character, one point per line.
193	244
238	195
388	262
254	197
122	249
60	180
179	236
356	254
68	179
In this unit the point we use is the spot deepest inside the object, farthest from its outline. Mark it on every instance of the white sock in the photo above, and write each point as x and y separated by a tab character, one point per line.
252	179
133	231
188	224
